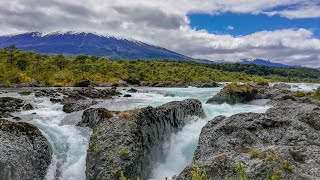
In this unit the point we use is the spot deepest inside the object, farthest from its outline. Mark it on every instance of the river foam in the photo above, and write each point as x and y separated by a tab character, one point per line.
70	142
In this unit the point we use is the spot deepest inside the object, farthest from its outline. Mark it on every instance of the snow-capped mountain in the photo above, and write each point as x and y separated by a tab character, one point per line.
71	43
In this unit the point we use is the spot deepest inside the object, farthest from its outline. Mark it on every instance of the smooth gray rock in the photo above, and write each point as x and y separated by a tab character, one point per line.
133	141
24	152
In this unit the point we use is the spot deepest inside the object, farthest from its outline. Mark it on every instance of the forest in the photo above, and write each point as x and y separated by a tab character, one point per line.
19	66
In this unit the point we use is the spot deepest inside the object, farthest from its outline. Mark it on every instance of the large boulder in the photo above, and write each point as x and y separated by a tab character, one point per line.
24	152
282	143
243	93
131	142
235	93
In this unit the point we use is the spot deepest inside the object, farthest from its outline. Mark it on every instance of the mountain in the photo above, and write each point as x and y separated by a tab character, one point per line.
267	63
70	43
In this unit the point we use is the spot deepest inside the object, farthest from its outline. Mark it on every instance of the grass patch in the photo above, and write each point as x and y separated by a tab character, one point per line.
239	88
25	93
286	166
275	174
316	94
197	173
241	173
124	114
300	94
262	82
105	113
122	151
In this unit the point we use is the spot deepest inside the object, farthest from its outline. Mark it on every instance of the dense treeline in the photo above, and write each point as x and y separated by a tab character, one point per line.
22	67
266	71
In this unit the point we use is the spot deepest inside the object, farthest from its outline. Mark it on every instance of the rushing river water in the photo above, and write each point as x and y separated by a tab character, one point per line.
69	142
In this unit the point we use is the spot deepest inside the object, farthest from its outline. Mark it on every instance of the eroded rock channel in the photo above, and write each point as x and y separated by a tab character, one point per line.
132	141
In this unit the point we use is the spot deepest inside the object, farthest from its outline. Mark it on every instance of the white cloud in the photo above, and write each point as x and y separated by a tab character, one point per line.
165	23
230	28
301	12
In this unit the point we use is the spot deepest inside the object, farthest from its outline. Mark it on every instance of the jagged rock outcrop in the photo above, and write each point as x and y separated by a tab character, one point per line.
9	105
133	141
24	152
283	142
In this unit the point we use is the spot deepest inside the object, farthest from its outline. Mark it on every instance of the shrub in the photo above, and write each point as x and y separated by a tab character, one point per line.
105	113
123	151
262	82
237	88
197	173
241	173
316	94
300	94
275	175
124	114
286	166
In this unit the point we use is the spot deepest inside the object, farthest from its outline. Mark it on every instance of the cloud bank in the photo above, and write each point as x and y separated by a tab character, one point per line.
165	23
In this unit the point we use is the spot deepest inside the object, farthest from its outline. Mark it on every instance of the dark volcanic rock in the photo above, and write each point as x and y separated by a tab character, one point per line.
46	93
79	105
81	99
205	85
24	152
132	90
132	81
285	141
97	93
133	141
27	107
55	100
84	83
127	95
9	105
91	117
234	93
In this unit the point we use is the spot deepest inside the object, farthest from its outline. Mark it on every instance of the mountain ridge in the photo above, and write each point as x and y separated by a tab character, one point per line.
75	43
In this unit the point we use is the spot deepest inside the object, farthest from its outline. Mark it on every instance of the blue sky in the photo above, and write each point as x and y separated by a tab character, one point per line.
238	24
282	31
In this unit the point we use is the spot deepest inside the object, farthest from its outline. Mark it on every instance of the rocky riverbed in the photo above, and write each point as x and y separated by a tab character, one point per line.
158	141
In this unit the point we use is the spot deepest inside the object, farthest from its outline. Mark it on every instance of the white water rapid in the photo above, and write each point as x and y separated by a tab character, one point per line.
69	142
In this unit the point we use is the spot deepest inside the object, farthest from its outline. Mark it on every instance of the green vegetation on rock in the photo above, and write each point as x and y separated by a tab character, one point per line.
316	94
239	88
197	173
241	173
105	113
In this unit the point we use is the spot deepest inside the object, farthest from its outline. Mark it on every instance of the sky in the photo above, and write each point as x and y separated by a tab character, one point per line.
282	31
